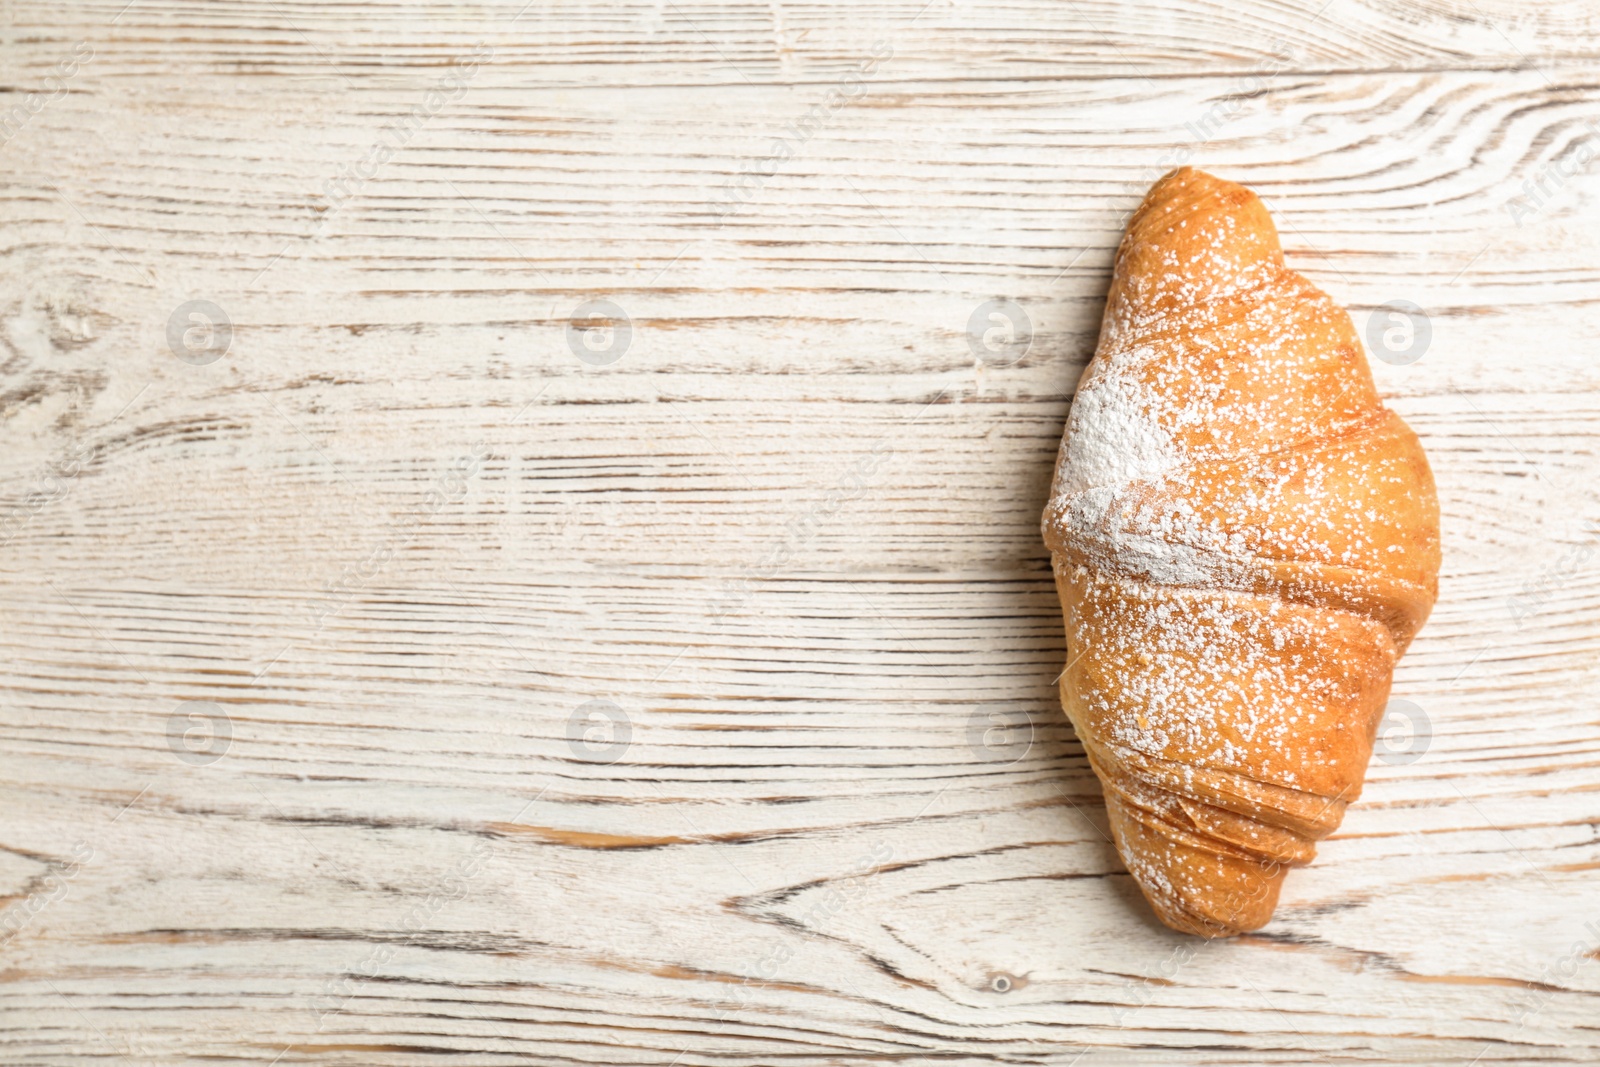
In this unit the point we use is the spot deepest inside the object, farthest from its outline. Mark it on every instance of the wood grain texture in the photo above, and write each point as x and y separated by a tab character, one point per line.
393	544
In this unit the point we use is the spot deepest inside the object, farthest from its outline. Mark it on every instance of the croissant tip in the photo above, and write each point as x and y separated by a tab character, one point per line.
1187	175
1211	912
1194	884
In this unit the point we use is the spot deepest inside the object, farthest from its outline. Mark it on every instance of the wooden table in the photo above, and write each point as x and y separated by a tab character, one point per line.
521	529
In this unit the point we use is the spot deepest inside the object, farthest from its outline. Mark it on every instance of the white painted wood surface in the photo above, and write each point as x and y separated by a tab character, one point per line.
398	535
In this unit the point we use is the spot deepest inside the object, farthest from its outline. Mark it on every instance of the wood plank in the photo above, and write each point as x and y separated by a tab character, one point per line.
401	536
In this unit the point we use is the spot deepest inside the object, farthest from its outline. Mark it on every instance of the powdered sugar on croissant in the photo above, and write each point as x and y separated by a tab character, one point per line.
1245	541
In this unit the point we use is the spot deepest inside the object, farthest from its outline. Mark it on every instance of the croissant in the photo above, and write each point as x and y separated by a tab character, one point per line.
1245	541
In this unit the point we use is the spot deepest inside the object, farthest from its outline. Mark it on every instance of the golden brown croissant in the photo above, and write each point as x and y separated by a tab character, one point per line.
1245	541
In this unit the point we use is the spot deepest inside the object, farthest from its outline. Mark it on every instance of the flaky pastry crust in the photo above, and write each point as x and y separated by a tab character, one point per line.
1245	541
